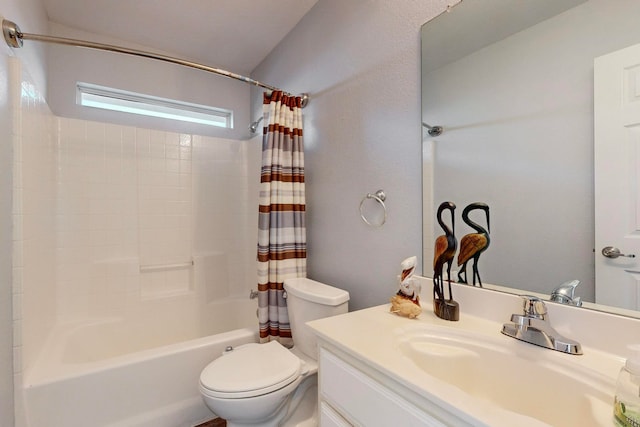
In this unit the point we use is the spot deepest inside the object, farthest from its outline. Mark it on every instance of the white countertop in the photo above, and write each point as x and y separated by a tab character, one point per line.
371	336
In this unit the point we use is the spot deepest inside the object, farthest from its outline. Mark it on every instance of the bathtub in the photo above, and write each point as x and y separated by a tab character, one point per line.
134	372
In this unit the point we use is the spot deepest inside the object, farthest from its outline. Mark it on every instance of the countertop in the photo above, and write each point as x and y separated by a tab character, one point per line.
371	336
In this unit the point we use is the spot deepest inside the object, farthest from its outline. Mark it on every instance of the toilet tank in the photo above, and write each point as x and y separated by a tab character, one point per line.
310	300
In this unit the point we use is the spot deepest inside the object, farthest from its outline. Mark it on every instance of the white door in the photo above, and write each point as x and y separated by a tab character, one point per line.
617	177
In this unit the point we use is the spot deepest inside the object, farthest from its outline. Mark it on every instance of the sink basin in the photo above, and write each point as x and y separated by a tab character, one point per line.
555	388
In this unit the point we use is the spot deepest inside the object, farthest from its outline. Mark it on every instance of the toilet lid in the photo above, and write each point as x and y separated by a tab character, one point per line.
250	370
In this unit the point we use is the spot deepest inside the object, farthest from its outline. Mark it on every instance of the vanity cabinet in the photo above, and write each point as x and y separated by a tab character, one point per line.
352	393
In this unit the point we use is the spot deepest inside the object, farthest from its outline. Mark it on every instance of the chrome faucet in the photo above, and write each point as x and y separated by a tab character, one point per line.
564	294
533	327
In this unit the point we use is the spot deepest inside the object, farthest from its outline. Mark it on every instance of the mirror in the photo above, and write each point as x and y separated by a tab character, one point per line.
511	83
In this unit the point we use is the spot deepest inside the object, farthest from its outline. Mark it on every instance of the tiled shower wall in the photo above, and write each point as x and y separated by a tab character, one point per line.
110	219
34	205
138	207
124	214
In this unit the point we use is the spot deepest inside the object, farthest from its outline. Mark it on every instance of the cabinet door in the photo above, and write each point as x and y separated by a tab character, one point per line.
361	400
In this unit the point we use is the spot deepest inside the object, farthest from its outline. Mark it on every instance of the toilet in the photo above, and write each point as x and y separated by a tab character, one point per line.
268	384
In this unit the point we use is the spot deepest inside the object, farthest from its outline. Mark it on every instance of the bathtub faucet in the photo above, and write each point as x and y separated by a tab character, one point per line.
253	294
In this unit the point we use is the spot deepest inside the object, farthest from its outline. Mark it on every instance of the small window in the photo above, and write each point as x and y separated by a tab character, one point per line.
107	98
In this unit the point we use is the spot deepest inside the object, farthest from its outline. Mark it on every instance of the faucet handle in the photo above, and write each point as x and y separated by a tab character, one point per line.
534	307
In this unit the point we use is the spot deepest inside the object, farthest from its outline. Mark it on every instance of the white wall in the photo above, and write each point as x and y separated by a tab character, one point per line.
520	138
94	203
6	341
360	61
34	232
130	198
32	18
30	299
69	65
30	14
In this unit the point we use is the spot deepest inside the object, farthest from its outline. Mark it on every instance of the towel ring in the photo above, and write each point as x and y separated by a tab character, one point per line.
379	197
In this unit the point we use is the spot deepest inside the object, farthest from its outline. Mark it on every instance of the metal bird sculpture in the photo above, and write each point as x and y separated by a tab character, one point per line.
472	245
445	251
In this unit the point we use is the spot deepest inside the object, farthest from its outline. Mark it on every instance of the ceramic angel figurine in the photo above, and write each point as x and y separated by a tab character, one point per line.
406	302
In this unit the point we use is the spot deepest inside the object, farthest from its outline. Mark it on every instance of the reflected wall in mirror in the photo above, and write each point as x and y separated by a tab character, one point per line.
512	85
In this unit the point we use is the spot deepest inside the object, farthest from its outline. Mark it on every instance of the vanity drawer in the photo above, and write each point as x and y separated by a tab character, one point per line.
361	400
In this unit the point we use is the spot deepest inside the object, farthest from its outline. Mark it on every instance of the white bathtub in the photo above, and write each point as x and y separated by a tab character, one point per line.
116	373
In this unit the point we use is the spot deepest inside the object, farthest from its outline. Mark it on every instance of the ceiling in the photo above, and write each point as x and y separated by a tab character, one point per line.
232	34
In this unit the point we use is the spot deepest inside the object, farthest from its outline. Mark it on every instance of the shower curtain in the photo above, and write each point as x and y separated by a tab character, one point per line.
282	249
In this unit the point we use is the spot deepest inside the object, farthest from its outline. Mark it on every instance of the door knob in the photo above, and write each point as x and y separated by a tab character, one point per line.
611	252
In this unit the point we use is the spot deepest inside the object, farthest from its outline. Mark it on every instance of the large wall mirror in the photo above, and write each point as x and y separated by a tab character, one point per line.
512	84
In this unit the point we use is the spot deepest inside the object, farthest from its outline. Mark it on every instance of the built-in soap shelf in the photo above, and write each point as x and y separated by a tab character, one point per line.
205	273
166	280
150	268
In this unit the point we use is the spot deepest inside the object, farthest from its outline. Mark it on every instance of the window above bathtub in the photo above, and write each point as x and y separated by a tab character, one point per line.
94	96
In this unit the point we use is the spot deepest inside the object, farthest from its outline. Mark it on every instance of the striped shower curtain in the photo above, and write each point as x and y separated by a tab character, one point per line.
282	248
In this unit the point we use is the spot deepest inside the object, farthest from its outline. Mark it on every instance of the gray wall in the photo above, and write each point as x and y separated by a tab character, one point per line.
520	117
360	61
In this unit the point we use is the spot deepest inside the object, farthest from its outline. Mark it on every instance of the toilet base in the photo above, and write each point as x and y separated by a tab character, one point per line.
301	409
305	414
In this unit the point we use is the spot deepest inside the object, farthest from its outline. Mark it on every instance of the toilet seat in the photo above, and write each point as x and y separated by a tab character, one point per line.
250	370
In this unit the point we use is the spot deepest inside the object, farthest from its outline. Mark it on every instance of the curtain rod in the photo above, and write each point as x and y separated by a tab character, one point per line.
14	38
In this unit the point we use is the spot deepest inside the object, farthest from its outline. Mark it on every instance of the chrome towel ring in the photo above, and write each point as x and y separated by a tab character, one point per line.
379	197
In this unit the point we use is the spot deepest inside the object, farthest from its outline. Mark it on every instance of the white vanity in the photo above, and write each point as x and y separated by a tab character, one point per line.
379	369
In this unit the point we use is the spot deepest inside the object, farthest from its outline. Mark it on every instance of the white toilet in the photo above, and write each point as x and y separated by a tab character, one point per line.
267	384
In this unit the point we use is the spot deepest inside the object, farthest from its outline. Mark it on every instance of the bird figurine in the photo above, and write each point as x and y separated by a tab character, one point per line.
406	302
472	245
444	253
